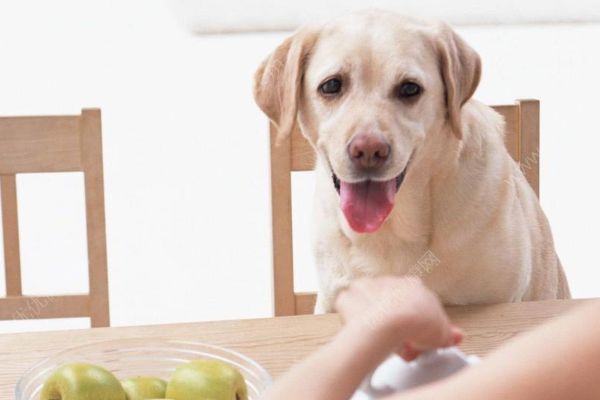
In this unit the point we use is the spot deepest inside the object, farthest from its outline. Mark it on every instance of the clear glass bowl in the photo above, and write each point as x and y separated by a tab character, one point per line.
151	357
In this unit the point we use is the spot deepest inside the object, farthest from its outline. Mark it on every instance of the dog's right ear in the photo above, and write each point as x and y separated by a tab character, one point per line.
278	81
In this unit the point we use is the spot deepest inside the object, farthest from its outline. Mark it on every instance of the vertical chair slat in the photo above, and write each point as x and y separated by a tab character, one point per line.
281	207
529	142
10	226
91	152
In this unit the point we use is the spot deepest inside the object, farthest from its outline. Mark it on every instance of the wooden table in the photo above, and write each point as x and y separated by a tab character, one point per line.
276	343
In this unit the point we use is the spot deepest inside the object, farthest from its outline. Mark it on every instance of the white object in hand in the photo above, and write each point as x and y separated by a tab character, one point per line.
395	374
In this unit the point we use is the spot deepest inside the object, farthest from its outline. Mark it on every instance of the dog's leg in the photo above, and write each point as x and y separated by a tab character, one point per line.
326	296
320	305
563	284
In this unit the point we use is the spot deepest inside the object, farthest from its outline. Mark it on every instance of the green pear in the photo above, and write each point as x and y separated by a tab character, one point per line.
207	379
144	387
80	381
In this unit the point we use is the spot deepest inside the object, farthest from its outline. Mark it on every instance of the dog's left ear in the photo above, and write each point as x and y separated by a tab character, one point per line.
461	70
278	81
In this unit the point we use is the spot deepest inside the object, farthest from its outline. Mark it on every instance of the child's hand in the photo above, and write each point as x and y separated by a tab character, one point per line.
403	310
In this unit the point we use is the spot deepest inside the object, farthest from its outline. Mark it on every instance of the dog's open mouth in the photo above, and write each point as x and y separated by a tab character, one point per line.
367	204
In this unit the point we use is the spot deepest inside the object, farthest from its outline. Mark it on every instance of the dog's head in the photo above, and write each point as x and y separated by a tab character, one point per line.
367	90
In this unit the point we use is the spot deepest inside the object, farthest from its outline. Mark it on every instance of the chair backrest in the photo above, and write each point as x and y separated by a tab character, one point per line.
54	144
296	154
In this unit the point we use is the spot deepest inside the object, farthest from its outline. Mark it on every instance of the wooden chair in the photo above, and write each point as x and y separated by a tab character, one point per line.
54	144
296	154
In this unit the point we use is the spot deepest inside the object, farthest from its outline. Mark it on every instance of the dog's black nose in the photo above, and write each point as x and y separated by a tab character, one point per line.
368	151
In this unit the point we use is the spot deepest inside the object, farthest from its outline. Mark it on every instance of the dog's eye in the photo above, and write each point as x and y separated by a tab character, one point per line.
331	86
408	89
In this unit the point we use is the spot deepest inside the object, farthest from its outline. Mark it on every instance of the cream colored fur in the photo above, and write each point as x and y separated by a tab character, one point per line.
465	219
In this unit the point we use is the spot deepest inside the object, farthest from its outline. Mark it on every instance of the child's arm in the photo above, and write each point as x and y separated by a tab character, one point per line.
382	315
557	361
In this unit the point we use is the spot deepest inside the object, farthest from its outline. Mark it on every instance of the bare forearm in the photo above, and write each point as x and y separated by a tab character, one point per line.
557	361
335	371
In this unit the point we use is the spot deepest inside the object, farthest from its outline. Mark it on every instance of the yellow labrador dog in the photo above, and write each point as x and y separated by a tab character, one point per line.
412	174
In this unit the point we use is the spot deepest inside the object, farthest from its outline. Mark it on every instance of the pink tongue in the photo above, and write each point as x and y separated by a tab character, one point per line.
367	204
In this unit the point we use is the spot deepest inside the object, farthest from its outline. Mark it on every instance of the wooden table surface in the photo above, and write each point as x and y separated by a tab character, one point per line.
276	343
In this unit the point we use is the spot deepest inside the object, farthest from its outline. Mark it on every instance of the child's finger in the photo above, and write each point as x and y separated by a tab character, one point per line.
456	336
409	353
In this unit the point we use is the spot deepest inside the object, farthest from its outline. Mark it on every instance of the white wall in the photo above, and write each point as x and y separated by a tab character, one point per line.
186	153
269	15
